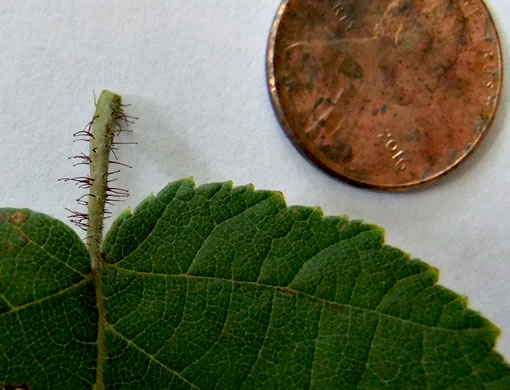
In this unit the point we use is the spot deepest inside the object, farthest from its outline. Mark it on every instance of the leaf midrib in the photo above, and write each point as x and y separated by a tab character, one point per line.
287	289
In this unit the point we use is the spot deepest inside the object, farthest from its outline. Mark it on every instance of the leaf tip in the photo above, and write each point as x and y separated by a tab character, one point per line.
280	196
189	180
128	212
378	229
316	210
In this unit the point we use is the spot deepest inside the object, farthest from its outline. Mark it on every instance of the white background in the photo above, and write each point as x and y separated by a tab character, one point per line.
194	71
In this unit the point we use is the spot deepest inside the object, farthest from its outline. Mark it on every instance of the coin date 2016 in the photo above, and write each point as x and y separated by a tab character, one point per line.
400	156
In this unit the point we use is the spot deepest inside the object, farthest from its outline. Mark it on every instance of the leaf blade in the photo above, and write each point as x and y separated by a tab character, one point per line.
249	251
46	338
222	287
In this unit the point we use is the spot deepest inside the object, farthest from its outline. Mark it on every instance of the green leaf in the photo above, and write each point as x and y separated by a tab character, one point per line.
228	288
47	304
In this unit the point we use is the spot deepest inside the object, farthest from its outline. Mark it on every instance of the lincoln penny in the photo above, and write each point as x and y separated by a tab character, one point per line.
385	94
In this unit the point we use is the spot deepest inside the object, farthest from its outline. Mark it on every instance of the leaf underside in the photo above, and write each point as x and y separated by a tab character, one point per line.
228	288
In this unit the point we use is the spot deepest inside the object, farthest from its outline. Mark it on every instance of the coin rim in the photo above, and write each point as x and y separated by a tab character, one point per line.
271	82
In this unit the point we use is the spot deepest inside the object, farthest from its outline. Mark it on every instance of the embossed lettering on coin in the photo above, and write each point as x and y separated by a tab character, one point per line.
385	94
401	157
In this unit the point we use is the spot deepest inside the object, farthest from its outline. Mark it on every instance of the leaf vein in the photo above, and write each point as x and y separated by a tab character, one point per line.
50	255
271	310
152	230
204	355
40	300
368	353
309	385
276	288
7	301
151	357
222	223
343	241
181	320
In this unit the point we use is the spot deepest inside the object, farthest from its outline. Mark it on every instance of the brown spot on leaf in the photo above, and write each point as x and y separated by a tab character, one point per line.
287	292
10	248
337	309
15	387
17	218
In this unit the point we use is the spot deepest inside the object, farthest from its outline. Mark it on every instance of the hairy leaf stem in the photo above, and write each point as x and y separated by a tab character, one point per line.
108	110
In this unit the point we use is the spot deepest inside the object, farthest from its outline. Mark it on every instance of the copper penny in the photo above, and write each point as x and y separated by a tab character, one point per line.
387	94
